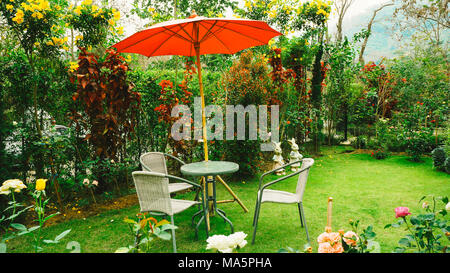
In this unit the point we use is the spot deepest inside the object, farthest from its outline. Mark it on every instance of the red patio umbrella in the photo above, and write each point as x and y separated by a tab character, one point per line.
197	36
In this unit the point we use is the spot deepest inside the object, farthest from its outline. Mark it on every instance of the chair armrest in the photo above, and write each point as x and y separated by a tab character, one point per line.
176	158
274	170
184	180
282	178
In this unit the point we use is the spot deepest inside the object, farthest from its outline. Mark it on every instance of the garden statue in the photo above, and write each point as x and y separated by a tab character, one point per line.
294	155
278	158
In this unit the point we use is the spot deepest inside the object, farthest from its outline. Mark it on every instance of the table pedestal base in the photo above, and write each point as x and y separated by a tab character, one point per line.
211	206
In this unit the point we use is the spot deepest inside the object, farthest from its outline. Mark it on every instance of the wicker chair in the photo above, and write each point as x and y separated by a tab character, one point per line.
153	193
283	197
156	162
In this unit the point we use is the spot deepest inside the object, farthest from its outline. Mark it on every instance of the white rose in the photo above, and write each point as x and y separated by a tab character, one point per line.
237	239
219	242
447	207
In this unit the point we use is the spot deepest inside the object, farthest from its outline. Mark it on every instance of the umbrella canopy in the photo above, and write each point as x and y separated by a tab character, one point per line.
210	35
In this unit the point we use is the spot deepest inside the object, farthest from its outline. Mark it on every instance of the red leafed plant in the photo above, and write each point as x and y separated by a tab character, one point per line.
172	96
280	76
107	100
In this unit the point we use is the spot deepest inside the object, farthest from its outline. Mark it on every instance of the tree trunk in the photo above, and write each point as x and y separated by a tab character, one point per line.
369	29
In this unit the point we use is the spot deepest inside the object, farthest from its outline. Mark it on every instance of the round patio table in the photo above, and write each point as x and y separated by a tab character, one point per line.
209	170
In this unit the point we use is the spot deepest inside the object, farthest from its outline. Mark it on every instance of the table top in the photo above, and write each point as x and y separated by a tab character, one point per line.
206	168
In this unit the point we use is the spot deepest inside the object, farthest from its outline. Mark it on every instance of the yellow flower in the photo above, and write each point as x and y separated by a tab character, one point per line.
18	18
77	10
40	184
9	7
94	8
119	30
86	2
128	59
116	15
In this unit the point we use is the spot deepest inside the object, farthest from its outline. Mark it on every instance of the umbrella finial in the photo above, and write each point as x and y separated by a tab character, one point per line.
193	14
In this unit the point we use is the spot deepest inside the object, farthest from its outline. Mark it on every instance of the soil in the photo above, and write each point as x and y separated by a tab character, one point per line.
83	212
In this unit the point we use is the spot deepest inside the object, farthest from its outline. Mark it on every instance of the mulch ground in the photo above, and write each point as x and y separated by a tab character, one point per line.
73	212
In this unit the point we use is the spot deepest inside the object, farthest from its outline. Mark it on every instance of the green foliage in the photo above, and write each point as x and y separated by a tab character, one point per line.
428	230
439	158
145	229
247	83
447	165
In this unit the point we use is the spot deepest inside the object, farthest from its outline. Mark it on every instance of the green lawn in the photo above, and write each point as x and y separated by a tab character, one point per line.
362	188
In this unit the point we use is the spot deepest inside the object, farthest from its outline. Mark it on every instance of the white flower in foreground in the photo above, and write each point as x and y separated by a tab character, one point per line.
219	242
237	239
12	184
226	244
447	207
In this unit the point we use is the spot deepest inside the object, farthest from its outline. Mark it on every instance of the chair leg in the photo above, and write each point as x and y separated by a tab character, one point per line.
300	213
304	220
257	207
257	210
173	236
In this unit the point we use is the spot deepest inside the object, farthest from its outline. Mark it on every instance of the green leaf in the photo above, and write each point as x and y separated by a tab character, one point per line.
404	242
129	221
373	247
162	223
123	250
168	226
62	235
74	247
51	216
414	220
399	250
164	236
2	248
19	227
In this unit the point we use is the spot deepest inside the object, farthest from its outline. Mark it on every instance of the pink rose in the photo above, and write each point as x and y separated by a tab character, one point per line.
328	248
323	238
95	183
335	237
350	238
402	212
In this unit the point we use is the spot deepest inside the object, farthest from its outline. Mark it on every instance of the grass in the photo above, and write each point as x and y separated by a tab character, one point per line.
362	188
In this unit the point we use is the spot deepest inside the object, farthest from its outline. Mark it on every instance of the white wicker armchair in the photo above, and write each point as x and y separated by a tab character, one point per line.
156	162
153	193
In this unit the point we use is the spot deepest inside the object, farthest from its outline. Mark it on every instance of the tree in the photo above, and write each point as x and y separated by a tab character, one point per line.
369	29
429	18
341	9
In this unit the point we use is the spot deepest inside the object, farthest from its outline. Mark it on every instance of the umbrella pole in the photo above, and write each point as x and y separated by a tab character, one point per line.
200	81
205	143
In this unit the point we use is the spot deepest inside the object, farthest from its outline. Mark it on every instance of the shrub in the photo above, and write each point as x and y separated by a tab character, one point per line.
248	83
447	165
439	158
417	145
359	142
379	154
